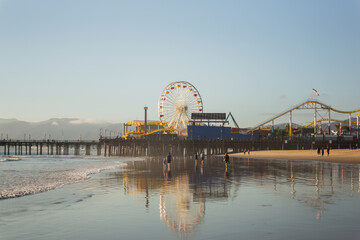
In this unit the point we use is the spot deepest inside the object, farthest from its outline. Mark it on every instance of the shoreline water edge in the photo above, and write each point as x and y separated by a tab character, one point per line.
335	155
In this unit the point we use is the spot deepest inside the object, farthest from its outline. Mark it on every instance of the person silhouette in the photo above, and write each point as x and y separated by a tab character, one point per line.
226	160
168	159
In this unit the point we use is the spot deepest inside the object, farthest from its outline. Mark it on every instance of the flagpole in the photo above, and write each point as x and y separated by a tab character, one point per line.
316	95
315	120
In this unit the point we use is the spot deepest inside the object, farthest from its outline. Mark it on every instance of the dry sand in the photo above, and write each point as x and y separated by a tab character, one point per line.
336	155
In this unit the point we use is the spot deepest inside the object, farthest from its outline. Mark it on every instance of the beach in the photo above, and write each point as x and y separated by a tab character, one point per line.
140	198
336	155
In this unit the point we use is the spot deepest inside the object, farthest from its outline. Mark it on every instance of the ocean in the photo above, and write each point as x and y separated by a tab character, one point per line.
24	175
133	198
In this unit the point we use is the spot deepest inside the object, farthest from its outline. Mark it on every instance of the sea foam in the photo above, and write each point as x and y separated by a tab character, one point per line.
35	175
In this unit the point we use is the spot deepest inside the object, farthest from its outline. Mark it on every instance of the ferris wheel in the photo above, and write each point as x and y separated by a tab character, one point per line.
177	101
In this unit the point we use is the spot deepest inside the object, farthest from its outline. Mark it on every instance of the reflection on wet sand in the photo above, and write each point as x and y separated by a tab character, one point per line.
184	191
178	207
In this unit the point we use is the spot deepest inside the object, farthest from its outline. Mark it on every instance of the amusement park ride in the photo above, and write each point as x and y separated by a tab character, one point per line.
180	101
176	103
319	109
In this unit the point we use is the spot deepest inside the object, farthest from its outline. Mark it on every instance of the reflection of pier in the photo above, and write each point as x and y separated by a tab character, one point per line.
182	194
186	193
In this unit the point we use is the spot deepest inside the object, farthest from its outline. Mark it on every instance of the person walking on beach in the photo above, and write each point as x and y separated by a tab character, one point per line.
322	151
226	160
249	151
202	156
244	151
164	163
168	159
196	157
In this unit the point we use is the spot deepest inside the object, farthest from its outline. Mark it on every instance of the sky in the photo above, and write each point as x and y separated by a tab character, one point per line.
107	59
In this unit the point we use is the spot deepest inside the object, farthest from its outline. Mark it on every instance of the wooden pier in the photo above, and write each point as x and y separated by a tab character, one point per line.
46	147
158	145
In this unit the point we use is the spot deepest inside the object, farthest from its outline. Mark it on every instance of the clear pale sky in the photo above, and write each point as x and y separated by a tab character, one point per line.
108	59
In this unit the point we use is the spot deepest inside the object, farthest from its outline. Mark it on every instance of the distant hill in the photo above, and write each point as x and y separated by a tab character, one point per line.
58	129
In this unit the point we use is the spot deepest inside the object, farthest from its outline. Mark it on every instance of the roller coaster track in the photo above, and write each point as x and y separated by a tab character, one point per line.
142	123
162	130
335	110
308	104
137	132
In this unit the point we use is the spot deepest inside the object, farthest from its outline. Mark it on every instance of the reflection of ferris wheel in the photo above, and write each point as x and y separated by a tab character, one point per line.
177	101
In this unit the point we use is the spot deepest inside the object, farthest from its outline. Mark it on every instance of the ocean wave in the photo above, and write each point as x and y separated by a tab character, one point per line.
10	159
25	182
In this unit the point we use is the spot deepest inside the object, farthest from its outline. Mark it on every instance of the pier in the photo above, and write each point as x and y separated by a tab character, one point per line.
159	145
47	147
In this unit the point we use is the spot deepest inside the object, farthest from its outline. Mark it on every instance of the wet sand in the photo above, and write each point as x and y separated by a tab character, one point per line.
144	200
336	155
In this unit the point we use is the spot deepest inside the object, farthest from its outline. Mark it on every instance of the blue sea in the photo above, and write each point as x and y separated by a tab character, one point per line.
133	198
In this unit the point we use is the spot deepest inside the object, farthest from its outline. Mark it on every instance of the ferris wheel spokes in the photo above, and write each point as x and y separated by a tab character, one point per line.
177	101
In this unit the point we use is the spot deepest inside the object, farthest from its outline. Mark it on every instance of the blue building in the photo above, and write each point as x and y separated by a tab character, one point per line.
215	133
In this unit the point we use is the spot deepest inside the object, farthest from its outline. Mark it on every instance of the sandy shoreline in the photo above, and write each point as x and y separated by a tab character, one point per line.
336	155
